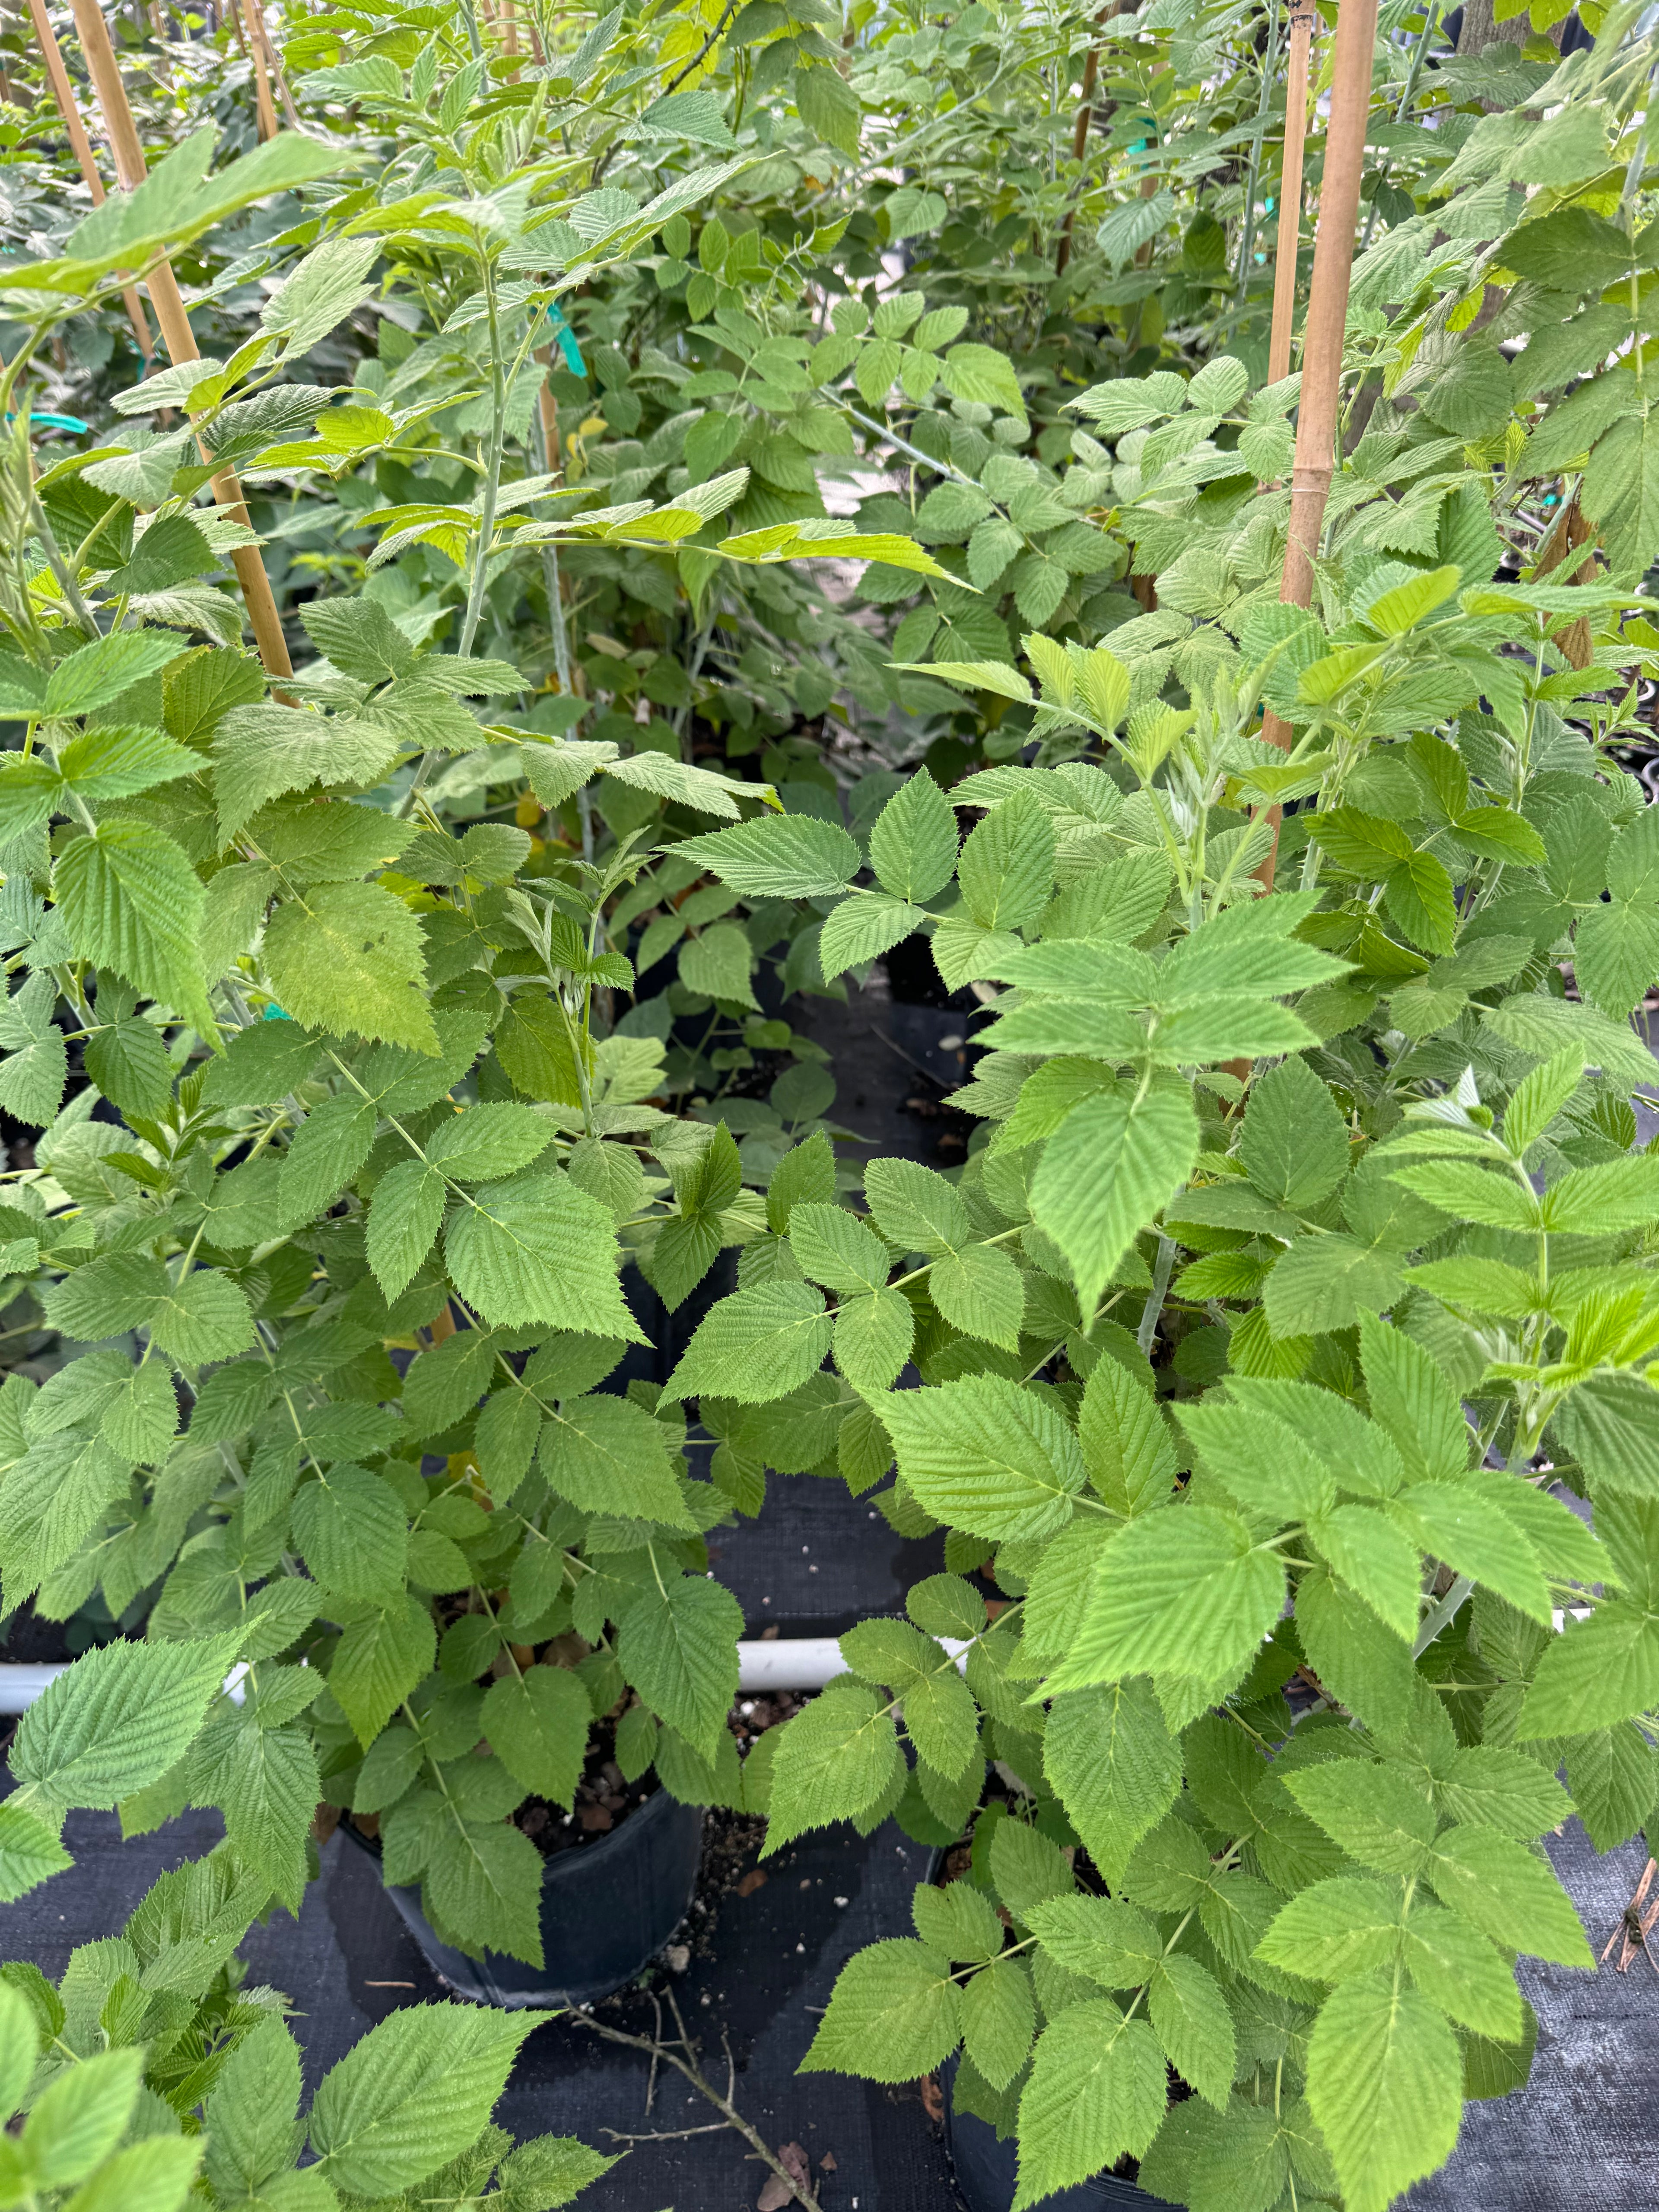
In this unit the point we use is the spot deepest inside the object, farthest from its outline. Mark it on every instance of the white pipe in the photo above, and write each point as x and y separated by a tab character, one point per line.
795	1662
19	1685
804	1662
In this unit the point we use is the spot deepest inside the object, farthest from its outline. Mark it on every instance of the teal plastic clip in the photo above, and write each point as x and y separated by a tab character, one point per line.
566	341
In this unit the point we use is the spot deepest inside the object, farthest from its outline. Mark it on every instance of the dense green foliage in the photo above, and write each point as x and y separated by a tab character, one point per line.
712	429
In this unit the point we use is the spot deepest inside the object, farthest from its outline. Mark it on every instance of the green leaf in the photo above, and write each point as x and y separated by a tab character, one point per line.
758	1344
916	1209
1385	2084
32	1077
79	2117
678	1647
1114	1764
1113	1163
1336	1930
912	844
894	2013
874	1336
835	1758
717	963
349	958
128	1061
1375	1814
607	1455
1106	1940
1190	2019
265	1782
1097	2089
115	1721
378	1661
985	1456
1458	1969
980	1292
412	2094
1597	1672
1295	1141
132	902
486	1142
260	752
403	1222
1412	1399
861	929
96	674
1125	1440
1508	1893
537	1722
829	108
252	2112
536	1248
1263	1462
779	856
998	2017
29	1854
1006	870
349	1526
1183	1590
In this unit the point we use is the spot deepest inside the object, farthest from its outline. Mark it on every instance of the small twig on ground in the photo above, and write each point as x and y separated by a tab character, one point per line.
1636	1926
657	2048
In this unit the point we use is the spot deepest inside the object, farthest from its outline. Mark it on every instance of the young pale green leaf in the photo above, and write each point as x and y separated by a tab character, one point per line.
1097	2089
894	2012
837	1757
414	2093
116	1721
779	856
1112	1165
1384	2081
1183	1590
987	1457
1116	1768
756	1346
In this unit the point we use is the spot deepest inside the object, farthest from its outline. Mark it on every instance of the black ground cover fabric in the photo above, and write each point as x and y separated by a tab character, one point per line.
1585	2131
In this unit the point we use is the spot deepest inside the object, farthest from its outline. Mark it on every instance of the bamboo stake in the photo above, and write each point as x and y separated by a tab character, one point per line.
1290	194
63	93
1328	315
158	25
263	43
1079	139
1327	302
267	112
180	339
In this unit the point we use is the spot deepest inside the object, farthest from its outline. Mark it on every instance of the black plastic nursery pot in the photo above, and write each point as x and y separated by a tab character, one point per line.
985	2168
607	1909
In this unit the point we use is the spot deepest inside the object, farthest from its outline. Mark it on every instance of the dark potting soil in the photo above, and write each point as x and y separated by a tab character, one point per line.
603	1798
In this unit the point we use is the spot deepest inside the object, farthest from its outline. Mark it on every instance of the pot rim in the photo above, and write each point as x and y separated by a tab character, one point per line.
559	1866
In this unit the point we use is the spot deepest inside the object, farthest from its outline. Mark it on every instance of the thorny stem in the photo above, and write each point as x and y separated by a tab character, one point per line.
658	2050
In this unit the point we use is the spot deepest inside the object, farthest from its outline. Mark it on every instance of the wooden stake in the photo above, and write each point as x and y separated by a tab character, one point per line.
262	44
158	25
267	112
1327	301
179	338
1328	315
63	93
1290	194
1079	139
